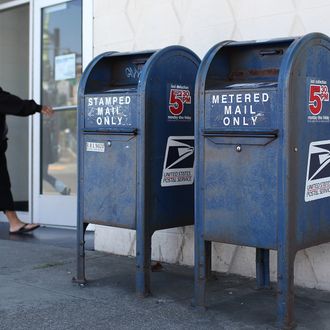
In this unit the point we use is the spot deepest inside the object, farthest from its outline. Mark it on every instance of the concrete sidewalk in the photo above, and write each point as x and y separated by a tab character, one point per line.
36	292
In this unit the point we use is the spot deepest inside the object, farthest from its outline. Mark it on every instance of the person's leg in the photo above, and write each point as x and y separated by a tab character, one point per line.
6	198
15	224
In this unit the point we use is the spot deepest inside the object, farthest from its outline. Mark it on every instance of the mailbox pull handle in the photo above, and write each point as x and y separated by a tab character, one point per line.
212	133
126	131
256	138
140	61
265	52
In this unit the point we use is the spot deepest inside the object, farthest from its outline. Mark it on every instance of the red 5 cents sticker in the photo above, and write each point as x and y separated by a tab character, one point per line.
179	98
318	94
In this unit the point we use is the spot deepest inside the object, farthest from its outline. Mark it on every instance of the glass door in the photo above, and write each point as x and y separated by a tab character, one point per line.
57	69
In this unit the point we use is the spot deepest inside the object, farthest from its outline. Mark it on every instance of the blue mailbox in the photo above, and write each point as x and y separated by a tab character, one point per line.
136	147
262	135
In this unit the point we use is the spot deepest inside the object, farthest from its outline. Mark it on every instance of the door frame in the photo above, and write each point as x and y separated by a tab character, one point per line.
45	207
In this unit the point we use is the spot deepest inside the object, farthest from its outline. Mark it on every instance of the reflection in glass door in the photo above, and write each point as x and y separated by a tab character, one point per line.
60	61
60	72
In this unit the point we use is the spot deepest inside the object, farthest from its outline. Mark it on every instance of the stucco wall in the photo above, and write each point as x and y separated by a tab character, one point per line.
130	25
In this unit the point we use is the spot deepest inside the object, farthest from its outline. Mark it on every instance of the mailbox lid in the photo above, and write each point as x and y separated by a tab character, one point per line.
113	70
233	62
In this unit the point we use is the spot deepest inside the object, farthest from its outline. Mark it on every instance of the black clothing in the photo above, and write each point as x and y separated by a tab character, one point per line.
13	105
10	105
6	198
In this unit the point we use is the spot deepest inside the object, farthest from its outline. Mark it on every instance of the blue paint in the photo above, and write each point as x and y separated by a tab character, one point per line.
262	183
130	106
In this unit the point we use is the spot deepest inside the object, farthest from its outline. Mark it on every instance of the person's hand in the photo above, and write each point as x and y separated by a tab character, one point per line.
47	110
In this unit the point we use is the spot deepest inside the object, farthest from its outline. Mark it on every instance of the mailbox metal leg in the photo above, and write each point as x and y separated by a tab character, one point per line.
285	288
262	268
143	263
201	265
208	259
80	279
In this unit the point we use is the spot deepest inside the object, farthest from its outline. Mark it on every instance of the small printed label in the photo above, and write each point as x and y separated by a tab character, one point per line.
95	146
318	171
179	101
178	169
318	94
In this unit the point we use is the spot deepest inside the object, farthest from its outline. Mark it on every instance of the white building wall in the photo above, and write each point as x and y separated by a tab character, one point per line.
131	25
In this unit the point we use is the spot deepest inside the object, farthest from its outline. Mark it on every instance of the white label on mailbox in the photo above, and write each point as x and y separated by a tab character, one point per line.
95	146
318	171
178	169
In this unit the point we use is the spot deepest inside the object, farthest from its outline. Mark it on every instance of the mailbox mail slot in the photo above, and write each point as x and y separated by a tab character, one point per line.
262	166
136	147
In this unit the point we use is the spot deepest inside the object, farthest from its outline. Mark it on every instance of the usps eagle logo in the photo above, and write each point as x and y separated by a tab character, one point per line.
178	168
318	171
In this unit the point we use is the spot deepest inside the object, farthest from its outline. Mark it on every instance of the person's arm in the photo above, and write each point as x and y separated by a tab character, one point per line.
13	105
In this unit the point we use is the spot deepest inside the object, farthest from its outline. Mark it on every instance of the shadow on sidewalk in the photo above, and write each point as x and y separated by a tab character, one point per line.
48	235
37	292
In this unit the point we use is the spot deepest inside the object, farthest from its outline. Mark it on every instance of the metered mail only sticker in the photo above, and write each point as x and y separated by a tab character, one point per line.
318	171
178	169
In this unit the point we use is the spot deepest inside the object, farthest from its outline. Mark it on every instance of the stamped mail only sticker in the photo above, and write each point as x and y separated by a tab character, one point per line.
178	169
110	110
318	171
